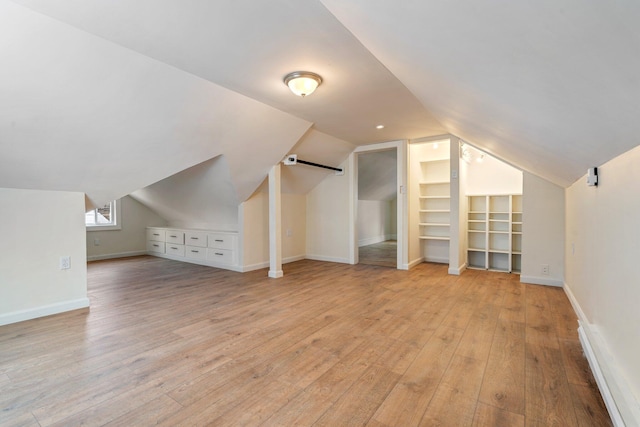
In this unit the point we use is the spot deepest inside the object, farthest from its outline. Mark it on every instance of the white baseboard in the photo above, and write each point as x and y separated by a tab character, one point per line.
265	264
536	280
45	310
328	259
371	241
412	263
458	271
439	260
116	255
623	407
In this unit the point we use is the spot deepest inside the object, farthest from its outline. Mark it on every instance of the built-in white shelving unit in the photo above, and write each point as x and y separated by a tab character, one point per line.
494	227
435	209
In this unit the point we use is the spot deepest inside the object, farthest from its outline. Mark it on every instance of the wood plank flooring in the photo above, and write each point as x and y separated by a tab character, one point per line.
171	343
383	254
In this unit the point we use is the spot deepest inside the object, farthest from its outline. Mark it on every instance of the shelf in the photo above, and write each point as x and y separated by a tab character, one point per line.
434	224
498	232
476	231
476	250
516	252
433	210
499	212
497	251
434	238
434	197
516	232
477	220
434	182
498	220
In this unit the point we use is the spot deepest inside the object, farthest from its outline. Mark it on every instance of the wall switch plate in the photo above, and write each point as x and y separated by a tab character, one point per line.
454	174
289	233
65	262
96	242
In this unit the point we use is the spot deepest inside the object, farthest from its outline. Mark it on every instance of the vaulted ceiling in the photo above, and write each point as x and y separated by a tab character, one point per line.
109	97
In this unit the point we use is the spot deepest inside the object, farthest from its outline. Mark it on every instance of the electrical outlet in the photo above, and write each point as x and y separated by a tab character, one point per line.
289	232
96	242
65	262
545	269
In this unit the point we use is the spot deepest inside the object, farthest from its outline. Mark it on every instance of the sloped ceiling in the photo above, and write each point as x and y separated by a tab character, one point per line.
201	196
91	97
377	175
549	86
78	113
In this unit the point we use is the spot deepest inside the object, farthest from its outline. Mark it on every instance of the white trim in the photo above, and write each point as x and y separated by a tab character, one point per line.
458	271
371	241
261	265
439	260
414	263
328	259
45	310
276	274
617	396
116	255
536	280
402	227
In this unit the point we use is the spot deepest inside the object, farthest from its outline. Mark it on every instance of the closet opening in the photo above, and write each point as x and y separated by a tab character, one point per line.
377	202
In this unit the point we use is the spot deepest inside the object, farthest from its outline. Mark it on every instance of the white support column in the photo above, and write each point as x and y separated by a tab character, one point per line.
275	224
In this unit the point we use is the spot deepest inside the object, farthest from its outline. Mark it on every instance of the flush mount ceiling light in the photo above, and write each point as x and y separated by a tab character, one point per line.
302	83
380	127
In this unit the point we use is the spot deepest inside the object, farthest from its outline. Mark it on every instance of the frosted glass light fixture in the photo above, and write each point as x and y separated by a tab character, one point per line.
302	83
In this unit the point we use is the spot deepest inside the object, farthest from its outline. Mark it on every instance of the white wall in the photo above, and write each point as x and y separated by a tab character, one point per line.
328	219
542	231
130	239
37	228
254	215
376	221
491	176
602	275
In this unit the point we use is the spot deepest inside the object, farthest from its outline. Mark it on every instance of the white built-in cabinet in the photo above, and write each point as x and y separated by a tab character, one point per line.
435	209
206	247
494	227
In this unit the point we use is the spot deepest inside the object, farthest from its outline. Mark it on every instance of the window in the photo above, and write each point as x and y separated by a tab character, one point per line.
106	217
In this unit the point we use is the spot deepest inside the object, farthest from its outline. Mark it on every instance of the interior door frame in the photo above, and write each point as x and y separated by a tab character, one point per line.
402	225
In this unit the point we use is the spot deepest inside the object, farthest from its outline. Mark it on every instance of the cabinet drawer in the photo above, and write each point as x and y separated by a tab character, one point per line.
174	249
174	236
221	241
155	234
195	252
222	256
194	238
155	247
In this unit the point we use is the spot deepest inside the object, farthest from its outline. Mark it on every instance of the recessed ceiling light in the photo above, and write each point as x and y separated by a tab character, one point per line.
380	127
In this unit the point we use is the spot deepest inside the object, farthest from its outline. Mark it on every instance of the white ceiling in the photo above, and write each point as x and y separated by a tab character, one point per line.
548	86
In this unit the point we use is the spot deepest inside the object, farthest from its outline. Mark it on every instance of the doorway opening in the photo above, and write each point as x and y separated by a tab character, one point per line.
377	221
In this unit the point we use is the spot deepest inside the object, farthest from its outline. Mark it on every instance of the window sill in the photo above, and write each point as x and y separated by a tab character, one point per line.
104	227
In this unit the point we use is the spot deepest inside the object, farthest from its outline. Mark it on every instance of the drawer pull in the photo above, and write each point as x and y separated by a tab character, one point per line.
219	240
173	236
194	251
218	253
157	246
156	234
174	248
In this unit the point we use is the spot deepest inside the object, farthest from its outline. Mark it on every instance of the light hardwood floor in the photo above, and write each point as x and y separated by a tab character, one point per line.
327	345
383	254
